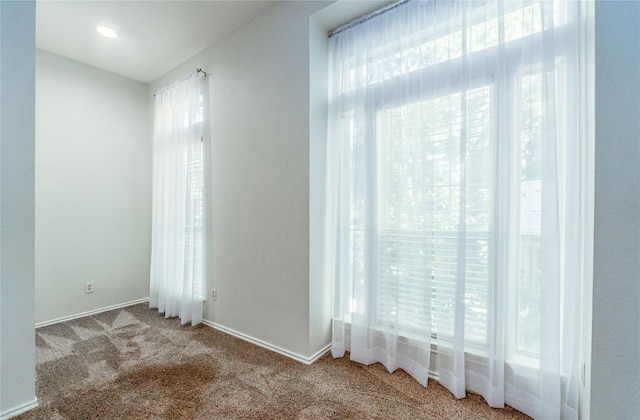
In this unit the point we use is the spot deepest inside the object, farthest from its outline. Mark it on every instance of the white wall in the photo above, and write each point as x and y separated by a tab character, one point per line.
615	351
17	105
320	279
259	259
93	188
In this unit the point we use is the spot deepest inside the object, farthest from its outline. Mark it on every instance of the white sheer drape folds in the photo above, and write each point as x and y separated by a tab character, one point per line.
177	246
454	197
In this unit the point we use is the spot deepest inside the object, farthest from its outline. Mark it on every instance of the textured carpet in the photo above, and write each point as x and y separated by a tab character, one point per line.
132	363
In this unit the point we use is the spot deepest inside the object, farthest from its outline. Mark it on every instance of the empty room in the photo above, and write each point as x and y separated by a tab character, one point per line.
320	209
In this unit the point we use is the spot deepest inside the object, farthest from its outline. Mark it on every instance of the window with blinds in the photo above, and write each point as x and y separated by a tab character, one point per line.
194	174
435	172
419	244
194	231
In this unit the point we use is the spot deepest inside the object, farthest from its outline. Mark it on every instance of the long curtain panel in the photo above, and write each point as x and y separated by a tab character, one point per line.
177	246
454	185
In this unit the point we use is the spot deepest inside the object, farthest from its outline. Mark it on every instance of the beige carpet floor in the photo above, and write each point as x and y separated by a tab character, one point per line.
132	363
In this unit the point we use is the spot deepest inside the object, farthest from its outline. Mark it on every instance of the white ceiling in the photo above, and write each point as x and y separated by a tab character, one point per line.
153	36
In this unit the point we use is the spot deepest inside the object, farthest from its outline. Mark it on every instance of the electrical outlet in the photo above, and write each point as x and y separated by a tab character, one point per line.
214	294
88	287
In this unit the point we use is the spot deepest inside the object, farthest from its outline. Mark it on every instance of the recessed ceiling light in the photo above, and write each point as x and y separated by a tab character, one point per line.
107	32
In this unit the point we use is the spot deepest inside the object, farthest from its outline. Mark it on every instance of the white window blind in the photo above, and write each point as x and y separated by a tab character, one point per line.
420	173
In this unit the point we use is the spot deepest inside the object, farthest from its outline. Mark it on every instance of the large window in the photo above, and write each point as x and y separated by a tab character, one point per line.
453	153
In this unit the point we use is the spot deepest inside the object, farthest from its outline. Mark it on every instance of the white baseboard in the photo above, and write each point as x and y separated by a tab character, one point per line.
258	342
320	353
93	312
268	346
12	412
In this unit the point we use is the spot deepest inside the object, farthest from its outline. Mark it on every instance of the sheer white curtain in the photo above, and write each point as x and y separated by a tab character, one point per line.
454	156
177	246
